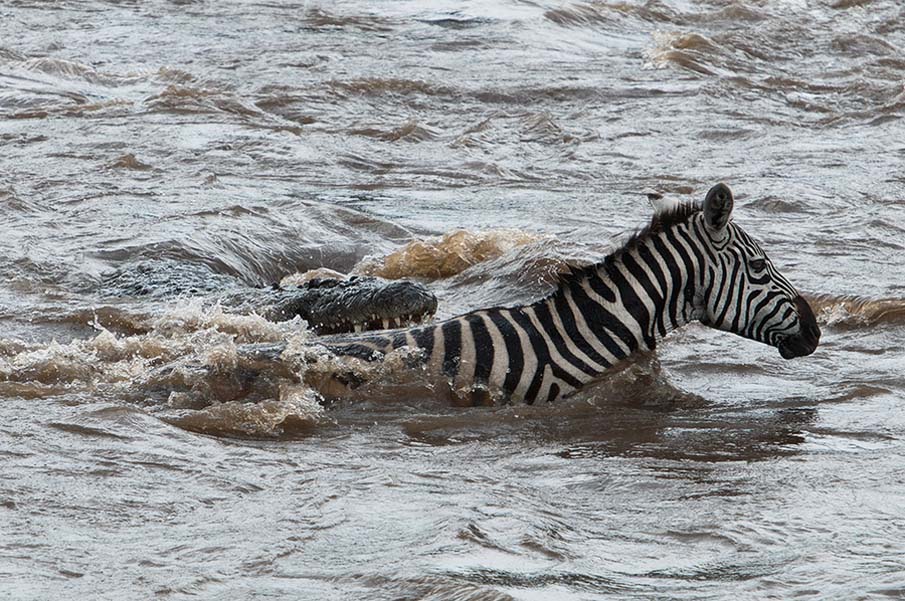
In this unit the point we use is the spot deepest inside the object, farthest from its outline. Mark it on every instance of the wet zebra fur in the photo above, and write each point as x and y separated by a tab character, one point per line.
690	263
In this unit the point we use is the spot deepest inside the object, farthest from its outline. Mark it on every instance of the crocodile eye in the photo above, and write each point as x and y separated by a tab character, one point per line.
758	264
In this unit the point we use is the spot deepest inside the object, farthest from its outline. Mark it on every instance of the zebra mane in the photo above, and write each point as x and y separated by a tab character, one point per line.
658	223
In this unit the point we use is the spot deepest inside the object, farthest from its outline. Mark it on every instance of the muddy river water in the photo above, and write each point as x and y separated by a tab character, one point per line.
264	139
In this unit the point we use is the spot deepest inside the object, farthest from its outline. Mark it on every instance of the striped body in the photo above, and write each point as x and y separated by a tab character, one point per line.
597	317
679	269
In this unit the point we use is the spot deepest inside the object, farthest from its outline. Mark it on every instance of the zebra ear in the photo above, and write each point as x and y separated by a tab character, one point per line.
660	204
718	206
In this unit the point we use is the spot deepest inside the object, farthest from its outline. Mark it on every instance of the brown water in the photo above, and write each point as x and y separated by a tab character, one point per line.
266	139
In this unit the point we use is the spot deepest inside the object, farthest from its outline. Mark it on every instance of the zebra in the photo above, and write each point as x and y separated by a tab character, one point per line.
690	263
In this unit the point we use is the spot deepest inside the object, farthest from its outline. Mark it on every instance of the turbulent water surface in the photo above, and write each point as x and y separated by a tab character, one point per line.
480	147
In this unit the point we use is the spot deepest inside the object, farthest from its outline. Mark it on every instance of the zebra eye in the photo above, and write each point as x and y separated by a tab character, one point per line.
758	264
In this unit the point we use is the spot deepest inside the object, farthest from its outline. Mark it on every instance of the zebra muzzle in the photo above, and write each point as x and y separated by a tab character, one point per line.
808	337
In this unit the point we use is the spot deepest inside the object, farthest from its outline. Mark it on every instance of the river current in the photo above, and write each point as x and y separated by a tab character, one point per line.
479	147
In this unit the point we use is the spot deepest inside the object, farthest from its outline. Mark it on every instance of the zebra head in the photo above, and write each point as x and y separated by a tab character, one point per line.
740	290
743	292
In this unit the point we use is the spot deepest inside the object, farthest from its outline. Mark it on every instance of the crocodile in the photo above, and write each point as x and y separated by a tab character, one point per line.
330	305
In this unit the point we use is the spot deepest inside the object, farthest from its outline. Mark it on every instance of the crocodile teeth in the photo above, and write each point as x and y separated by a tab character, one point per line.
359	327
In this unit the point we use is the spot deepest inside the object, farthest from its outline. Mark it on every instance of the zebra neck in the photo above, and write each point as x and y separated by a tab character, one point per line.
622	305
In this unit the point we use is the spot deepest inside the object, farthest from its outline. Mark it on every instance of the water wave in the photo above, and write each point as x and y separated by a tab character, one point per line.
452	254
296	411
69	69
691	51
505	128
410	131
624	14
177	98
189	329
378	86
42	87
585	14
272	242
857	311
319	19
